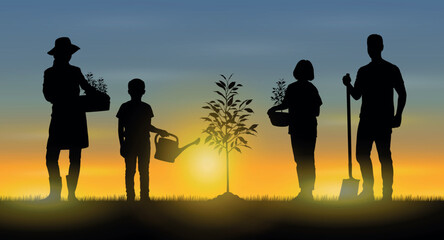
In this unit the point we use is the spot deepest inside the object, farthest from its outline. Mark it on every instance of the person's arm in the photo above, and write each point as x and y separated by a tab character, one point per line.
161	132
121	132
402	99
48	89
277	108
354	90
84	84
318	102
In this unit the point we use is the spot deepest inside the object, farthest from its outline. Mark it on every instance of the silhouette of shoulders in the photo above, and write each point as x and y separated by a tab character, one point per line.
136	117
379	67
302	94
376	81
302	87
62	82
65	69
135	109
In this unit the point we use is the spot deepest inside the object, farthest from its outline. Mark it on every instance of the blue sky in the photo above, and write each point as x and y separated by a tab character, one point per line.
184	45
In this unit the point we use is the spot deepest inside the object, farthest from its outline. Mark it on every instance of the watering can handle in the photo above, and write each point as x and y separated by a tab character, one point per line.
156	138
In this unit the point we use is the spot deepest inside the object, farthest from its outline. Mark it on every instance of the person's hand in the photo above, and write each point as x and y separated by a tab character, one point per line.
123	150
271	110
164	133
346	80
396	121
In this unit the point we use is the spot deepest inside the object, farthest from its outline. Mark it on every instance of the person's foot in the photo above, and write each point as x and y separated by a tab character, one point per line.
72	198
145	199
130	198
304	196
51	198
387	195
387	198
366	195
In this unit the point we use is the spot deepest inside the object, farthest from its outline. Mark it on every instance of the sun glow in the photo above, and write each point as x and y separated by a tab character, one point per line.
206	165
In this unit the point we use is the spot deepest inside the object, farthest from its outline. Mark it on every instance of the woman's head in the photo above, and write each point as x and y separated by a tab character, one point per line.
304	70
63	49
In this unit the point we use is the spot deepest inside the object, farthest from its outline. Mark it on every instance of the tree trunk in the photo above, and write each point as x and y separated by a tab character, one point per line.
228	170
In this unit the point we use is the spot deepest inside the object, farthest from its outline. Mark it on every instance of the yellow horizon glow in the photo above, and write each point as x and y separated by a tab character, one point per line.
268	169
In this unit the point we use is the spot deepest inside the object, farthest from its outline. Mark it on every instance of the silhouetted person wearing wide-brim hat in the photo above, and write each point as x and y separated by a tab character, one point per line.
375	83
303	103
68	128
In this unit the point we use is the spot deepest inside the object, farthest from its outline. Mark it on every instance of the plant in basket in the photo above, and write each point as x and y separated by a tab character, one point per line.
279	119
97	100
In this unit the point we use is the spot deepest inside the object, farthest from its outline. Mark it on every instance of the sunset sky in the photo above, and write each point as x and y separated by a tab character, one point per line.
179	48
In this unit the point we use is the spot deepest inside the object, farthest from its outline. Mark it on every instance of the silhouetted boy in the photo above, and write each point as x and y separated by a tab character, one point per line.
375	83
303	103
134	136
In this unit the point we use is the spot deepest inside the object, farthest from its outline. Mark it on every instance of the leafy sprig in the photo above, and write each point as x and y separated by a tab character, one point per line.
227	117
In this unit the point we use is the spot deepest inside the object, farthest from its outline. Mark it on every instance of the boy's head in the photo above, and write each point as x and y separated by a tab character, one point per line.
304	70
136	88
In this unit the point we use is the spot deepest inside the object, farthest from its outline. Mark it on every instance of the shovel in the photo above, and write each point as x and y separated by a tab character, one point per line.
349	189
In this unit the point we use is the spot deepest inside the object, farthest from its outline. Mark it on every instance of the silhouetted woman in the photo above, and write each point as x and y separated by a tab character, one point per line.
68	129
303	102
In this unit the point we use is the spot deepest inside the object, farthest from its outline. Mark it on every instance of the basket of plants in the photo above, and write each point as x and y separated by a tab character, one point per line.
98	99
279	119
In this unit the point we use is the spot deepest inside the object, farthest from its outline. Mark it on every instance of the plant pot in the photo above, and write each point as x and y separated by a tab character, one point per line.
95	102
279	119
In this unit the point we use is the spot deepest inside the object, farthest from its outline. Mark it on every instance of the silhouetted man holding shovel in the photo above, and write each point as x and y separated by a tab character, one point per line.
375	83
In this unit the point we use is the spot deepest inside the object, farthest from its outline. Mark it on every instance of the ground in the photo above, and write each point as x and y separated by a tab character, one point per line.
221	219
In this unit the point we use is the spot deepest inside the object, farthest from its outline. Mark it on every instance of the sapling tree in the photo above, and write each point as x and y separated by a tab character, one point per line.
227	120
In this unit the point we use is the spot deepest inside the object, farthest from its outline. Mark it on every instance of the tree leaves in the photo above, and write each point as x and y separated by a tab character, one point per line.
227	117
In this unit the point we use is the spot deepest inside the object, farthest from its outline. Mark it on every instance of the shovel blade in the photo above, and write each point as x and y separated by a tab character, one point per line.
349	189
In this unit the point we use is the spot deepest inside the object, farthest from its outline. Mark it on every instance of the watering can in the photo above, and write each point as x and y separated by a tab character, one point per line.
168	149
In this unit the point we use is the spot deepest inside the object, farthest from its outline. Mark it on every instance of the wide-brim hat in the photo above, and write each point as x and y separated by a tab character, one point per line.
63	45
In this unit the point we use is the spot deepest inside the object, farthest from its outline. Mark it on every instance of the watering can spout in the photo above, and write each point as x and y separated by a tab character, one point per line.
168	150
180	150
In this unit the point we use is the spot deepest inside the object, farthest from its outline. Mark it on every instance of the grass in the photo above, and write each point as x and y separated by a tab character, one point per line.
266	198
256	217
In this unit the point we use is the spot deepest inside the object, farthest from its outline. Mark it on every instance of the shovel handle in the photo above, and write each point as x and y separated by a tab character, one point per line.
349	139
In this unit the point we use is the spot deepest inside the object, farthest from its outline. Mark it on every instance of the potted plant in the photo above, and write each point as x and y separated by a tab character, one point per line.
279	119
97	100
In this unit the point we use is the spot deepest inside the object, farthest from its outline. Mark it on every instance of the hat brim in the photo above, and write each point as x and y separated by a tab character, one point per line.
71	50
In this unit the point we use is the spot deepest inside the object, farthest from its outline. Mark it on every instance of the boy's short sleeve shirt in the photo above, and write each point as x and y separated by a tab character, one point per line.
136	119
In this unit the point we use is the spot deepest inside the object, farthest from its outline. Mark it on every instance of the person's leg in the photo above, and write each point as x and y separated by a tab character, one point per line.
144	161
385	157
364	142
52	162
73	174
55	181
130	171
303	151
